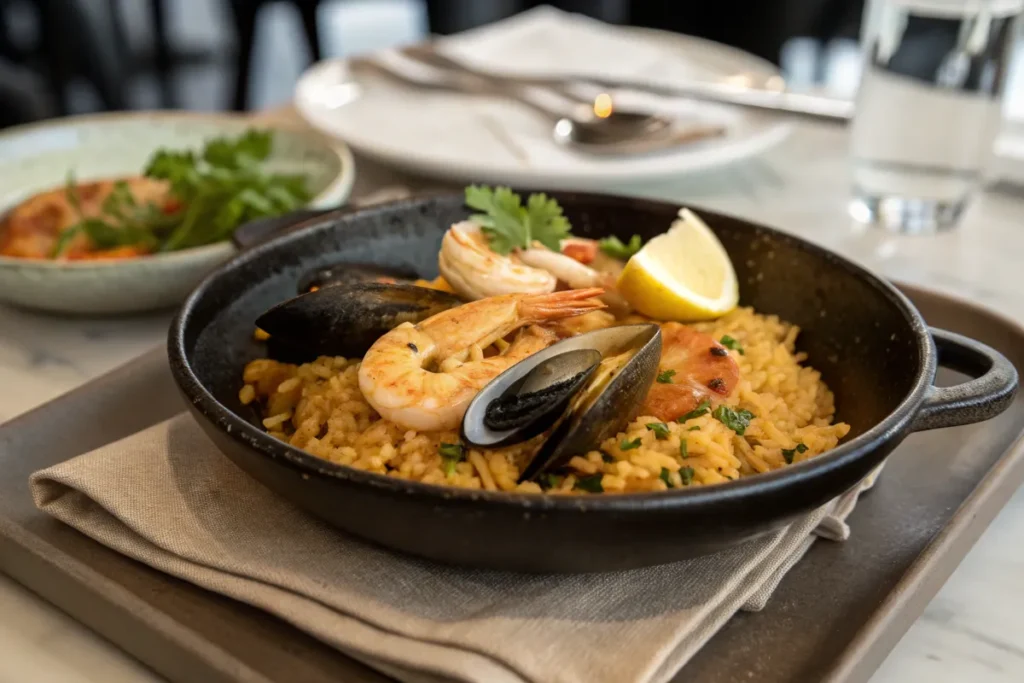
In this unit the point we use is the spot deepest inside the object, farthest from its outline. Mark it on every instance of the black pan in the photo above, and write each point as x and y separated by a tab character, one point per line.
871	345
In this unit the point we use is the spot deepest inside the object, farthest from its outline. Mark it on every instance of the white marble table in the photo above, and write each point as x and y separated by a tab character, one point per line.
972	631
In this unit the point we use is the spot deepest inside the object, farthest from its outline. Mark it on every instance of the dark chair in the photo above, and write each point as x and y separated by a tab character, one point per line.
245	13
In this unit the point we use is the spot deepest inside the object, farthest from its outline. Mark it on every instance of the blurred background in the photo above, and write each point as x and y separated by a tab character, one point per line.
76	56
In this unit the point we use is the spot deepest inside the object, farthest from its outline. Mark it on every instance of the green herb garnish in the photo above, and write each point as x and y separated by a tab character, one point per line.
607	457
730	343
686	474
684	449
788	453
627	445
694	428
451	455
591	484
736	420
509	225
551	481
660	429
701	409
666	477
614	247
665	377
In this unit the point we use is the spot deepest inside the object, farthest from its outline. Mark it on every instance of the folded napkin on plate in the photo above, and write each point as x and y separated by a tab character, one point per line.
168	498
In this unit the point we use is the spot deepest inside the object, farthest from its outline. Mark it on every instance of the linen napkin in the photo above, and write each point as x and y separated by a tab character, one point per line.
167	497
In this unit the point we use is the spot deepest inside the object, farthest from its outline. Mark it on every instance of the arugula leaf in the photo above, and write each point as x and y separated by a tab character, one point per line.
666	477
628	445
686	474
701	409
451	455
591	484
736	420
660	430
509	225
788	453
614	247
665	377
730	343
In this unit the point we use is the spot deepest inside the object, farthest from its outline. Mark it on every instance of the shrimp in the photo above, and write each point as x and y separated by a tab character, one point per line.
702	369
474	271
424	376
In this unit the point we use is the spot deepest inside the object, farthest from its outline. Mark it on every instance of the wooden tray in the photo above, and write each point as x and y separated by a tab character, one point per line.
835	616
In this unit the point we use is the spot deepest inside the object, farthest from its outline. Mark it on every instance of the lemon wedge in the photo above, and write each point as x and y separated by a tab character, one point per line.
684	274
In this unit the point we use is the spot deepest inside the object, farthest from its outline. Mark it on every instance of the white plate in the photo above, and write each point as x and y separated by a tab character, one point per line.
38	157
465	138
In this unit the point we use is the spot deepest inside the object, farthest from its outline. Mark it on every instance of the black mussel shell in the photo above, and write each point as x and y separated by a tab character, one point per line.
353	273
345	320
534	403
606	415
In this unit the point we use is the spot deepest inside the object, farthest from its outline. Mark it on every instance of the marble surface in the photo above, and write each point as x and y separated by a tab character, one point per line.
972	631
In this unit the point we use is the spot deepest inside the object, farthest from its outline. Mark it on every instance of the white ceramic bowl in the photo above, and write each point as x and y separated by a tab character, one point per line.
38	157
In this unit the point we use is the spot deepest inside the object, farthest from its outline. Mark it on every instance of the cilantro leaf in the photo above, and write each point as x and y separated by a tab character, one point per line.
614	247
509	225
788	453
451	455
660	430
591	484
701	409
666	477
736	420
665	377
730	343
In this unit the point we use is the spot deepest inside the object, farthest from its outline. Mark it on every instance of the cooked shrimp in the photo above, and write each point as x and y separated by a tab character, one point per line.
424	376
474	271
702	369
565	268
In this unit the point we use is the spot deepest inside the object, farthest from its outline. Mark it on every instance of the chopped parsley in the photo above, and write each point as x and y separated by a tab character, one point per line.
684	449
509	225
788	453
730	343
660	430
628	445
614	247
591	484
665	377
451	455
702	409
694	428
736	420
686	474
666	477
551	481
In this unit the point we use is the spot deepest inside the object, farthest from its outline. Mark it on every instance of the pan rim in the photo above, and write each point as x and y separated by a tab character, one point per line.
794	477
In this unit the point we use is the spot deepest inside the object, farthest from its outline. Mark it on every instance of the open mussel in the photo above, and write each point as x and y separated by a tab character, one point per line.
580	413
345	320
354	273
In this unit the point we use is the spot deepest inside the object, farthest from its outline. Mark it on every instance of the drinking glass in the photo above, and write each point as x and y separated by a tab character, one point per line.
928	107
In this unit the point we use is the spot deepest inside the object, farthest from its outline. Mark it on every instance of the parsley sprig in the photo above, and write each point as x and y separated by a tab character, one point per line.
509	225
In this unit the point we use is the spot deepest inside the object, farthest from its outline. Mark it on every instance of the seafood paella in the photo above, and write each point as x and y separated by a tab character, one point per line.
542	362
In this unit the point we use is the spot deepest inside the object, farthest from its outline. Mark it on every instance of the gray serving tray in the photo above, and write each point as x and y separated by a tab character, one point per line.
834	618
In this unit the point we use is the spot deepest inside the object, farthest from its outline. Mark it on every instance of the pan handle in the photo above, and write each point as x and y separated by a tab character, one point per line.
976	400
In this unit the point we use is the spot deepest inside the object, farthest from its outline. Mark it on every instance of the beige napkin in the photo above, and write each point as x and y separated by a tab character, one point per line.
168	498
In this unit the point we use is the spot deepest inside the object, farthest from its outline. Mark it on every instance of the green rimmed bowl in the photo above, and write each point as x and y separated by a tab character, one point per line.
38	157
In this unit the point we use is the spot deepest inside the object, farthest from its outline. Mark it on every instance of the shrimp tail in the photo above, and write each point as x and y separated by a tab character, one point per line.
566	304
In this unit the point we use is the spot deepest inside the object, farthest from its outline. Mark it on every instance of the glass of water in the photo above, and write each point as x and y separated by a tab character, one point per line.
928	108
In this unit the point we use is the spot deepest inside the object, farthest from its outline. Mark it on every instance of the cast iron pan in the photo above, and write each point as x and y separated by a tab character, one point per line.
873	348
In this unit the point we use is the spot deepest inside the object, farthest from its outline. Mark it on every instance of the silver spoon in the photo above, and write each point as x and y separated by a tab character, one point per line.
596	127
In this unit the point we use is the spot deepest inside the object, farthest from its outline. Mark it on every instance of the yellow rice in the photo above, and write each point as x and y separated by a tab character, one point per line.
318	407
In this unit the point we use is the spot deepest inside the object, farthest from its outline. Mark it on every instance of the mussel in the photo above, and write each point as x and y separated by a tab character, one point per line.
345	320
581	413
354	273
